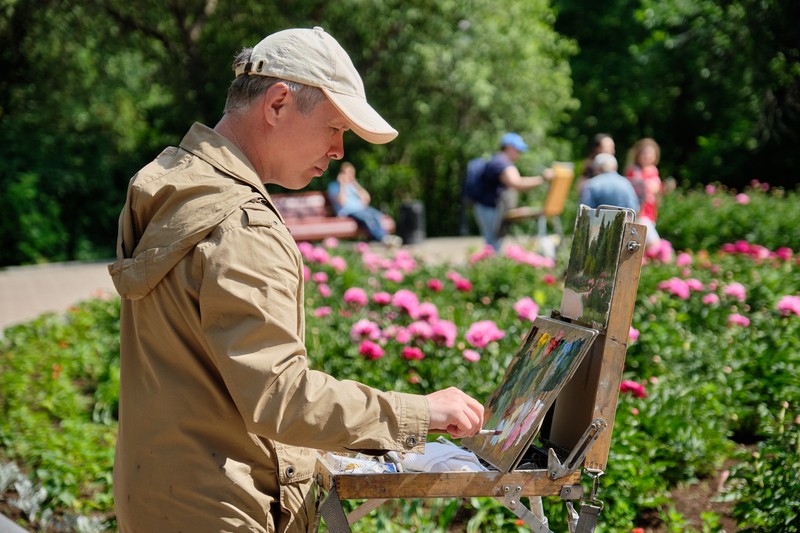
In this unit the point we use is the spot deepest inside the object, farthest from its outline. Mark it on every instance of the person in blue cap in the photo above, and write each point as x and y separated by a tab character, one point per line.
498	185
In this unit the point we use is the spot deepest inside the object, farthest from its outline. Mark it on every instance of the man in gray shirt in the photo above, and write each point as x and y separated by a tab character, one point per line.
608	187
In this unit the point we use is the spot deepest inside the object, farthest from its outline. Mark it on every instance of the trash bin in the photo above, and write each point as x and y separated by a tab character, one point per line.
411	222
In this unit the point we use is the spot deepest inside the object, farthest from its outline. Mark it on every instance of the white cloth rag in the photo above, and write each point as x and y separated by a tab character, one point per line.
442	458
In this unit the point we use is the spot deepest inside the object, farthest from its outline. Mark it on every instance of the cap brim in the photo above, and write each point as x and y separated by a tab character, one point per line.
364	121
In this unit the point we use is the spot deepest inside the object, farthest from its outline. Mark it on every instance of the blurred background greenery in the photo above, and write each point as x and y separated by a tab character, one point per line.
93	90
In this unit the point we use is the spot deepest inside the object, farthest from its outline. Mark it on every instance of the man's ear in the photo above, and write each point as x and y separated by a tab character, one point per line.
276	102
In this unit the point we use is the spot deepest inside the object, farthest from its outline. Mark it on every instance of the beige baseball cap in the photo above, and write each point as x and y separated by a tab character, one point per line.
312	57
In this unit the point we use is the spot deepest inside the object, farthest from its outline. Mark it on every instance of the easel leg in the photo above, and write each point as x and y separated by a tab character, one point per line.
363	510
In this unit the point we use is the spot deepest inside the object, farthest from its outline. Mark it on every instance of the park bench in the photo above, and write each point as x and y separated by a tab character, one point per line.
309	217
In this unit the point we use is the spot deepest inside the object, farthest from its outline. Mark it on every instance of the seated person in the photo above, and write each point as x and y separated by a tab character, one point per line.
608	187
349	199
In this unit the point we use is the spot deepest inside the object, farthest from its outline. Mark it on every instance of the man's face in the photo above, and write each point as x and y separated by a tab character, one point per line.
306	144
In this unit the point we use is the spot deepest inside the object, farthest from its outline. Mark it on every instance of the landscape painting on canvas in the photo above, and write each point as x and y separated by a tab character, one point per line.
593	261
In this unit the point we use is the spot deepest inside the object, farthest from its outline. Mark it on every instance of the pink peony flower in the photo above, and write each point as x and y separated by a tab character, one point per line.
695	284
736	290
549	279
788	305
735	319
338	264
420	330
427	311
710	189
526	309
444	333
319	277
742	199
484	253
683	259
407	301
393	275
306	273
784	253
356	296
403	336
633	387
365	329
330	242
710	298
463	285
324	290
471	355
676	286
633	334
412	353
482	333
370	350
362	247
435	285
319	255
382	298
322	311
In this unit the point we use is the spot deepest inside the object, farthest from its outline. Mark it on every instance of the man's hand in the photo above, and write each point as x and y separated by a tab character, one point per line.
454	412
548	174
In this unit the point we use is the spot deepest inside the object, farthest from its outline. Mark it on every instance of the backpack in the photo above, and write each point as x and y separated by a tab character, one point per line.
472	178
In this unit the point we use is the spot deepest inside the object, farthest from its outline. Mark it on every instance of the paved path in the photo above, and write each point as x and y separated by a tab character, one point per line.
27	292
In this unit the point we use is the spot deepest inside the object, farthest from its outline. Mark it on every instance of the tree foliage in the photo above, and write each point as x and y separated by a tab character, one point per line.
716	83
93	90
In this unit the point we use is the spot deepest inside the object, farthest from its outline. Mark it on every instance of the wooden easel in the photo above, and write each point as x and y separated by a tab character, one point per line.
577	430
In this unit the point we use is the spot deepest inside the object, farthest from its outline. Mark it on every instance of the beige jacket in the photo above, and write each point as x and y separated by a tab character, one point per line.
219	411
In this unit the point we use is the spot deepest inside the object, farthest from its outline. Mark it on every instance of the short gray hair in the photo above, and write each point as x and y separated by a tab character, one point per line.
247	88
604	163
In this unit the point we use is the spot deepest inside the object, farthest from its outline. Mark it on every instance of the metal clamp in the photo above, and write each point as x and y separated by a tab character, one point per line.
511	499
555	469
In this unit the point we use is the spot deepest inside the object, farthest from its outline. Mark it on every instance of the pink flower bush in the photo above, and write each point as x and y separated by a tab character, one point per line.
330	242
735	319
526	309
324	290
319	277
370	350
742	199
633	387
788	305
482	333
382	298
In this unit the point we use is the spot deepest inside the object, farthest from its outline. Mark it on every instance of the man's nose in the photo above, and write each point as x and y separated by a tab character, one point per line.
336	150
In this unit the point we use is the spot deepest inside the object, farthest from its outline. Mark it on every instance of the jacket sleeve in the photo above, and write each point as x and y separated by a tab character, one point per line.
252	313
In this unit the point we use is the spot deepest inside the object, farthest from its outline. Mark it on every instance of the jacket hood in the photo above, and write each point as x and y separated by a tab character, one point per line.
175	202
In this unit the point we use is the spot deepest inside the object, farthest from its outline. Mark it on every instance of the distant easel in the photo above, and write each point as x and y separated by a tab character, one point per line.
566	398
